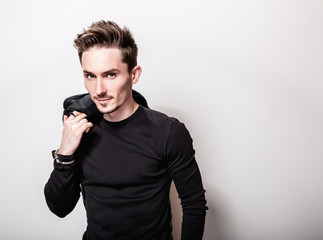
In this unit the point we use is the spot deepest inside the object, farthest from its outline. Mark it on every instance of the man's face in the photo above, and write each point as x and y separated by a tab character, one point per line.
107	80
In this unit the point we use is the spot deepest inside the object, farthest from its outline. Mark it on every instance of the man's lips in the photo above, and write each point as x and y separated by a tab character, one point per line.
103	100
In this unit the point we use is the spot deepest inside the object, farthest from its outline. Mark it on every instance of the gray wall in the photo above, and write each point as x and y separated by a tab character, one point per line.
245	77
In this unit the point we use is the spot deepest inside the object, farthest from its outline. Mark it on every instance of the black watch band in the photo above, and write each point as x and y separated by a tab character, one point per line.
56	158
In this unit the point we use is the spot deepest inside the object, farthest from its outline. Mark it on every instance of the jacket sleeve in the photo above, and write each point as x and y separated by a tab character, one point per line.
62	191
186	175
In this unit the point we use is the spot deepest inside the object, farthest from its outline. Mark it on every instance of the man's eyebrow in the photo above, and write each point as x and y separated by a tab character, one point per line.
87	72
111	70
106	72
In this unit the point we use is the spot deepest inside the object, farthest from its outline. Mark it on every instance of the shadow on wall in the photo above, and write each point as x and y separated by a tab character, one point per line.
176	212
215	227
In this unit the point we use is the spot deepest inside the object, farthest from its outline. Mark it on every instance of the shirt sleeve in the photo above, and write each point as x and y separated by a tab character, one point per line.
187	178
62	191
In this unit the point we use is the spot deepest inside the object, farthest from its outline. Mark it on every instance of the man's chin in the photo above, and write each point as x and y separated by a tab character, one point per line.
106	109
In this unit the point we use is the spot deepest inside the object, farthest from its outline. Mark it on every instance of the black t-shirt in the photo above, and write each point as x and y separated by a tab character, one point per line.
126	169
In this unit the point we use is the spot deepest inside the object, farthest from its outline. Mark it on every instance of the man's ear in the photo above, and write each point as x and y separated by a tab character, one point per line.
135	74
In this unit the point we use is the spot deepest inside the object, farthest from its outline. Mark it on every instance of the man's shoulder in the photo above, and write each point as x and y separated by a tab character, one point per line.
162	120
158	116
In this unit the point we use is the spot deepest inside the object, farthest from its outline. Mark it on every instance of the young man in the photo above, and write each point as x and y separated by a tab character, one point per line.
121	154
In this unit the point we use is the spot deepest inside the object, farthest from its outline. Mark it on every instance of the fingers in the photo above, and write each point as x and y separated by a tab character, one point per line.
88	127
80	126
74	127
65	118
75	114
78	122
75	117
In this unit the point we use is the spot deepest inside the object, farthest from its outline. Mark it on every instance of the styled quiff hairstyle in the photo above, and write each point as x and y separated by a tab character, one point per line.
108	34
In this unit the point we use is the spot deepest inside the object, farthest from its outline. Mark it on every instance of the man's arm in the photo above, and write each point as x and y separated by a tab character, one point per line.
187	179
62	190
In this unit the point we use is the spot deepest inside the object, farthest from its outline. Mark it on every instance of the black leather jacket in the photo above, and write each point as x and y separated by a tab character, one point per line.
84	104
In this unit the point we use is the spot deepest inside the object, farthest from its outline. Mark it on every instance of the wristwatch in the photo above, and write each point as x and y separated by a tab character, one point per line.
56	158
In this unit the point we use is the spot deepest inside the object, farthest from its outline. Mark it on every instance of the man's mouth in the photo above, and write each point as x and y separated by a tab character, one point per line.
103	100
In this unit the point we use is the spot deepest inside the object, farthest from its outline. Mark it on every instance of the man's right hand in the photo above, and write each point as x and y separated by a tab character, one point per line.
74	127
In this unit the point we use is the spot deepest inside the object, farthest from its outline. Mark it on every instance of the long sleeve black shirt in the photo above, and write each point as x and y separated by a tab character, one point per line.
126	169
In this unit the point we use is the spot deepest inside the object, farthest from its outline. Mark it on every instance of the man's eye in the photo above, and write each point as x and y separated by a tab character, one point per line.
111	75
89	76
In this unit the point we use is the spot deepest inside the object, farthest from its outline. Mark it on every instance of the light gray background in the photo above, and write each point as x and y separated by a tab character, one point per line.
244	76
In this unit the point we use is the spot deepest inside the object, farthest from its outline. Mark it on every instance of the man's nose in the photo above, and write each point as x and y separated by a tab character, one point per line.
100	88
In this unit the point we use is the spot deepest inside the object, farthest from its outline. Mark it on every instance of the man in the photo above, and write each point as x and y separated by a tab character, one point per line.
121	154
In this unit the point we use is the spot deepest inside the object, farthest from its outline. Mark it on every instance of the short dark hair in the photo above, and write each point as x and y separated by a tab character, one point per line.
108	34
